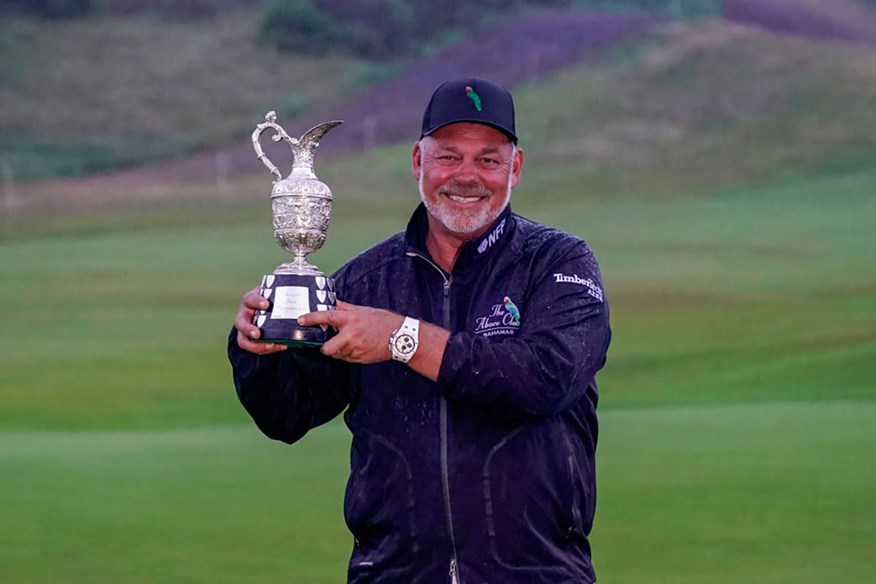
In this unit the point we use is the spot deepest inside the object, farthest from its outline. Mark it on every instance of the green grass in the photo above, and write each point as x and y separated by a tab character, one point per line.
737	405
771	493
208	505
687	495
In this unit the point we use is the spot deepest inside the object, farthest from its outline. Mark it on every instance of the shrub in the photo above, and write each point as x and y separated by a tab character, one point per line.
299	27
49	9
378	29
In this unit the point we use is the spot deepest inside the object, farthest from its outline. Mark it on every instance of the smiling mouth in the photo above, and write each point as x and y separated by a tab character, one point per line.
463	199
461	194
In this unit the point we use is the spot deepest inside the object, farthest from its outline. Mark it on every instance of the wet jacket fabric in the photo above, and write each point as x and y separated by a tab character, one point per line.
487	475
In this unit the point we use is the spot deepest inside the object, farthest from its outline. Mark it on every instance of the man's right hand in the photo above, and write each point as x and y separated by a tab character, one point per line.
247	332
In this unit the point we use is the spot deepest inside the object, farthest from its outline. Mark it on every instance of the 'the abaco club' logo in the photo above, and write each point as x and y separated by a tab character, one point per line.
503	319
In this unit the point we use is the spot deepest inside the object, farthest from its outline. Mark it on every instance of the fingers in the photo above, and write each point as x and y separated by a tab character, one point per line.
363	332
258	348
250	302
333	318
333	348
243	324
247	332
254	301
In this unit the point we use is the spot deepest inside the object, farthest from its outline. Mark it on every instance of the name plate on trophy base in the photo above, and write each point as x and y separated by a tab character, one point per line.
290	296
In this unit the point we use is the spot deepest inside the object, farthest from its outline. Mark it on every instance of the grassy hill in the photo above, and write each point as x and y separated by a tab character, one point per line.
707	106
694	108
85	96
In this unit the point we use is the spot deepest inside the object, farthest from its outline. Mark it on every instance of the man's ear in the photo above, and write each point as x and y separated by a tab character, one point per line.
417	161
516	166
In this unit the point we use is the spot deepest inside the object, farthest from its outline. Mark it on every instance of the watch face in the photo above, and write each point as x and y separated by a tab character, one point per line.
405	344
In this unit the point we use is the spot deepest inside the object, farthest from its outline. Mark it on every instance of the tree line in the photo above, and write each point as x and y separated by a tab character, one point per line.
374	29
384	29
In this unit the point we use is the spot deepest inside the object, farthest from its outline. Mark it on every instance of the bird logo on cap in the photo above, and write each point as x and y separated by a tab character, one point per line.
470	93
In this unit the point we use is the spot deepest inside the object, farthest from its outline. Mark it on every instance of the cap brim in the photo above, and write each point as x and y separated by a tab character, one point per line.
511	135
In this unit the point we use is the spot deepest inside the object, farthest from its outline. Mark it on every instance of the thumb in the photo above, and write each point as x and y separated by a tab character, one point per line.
345	305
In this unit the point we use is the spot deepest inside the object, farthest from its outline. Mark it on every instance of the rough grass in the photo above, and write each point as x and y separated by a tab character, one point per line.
88	95
706	105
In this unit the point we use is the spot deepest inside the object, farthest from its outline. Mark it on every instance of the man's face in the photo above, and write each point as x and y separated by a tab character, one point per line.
466	172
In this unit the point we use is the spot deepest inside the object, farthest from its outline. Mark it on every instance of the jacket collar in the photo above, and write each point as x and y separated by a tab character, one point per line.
474	250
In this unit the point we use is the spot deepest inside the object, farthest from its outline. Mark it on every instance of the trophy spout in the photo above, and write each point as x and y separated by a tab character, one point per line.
303	148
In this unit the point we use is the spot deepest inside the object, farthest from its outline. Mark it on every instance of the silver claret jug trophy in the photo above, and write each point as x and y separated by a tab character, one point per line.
302	206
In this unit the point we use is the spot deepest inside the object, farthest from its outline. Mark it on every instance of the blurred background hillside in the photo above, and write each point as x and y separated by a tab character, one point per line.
718	155
172	88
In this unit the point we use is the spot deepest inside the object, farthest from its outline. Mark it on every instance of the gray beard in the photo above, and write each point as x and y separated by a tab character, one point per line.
467	223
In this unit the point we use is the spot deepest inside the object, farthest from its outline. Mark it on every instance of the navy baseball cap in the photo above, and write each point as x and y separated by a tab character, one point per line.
470	100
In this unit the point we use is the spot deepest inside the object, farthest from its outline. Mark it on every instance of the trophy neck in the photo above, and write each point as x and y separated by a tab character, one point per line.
299	267
302	170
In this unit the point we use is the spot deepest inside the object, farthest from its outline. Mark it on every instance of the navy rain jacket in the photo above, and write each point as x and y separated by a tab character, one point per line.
487	475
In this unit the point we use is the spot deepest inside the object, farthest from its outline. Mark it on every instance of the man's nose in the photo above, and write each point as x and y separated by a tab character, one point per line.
466	173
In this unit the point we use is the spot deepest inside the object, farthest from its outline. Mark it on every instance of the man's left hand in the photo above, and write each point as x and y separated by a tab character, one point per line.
363	332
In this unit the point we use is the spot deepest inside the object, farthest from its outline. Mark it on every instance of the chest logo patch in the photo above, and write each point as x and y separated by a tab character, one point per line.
502	319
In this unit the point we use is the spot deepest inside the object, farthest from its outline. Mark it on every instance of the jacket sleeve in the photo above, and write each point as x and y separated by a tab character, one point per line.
290	392
551	362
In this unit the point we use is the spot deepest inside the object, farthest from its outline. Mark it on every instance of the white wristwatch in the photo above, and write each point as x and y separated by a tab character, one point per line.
404	342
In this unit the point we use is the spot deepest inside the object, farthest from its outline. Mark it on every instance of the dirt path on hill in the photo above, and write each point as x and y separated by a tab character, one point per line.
844	21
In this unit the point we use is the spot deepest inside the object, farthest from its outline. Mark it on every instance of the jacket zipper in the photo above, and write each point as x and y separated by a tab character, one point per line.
445	478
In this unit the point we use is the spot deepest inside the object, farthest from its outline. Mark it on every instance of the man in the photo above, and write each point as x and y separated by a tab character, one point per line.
465	359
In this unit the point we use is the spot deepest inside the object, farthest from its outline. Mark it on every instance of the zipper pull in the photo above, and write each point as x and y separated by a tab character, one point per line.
453	578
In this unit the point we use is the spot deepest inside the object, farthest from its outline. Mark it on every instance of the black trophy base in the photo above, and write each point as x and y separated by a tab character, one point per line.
291	295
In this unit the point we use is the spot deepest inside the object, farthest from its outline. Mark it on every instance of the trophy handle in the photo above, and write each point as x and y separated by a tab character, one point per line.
270	122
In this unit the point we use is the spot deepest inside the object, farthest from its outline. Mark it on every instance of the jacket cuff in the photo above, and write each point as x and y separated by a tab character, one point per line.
246	364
